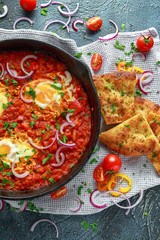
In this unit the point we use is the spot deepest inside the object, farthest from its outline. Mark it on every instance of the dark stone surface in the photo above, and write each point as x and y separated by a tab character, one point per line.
112	223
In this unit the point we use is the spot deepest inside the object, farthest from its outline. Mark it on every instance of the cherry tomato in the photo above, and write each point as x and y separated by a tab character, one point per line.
112	163
145	43
96	61
59	193
98	173
94	23
28	5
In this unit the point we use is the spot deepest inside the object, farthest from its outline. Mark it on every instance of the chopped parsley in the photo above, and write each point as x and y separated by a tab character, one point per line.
78	55
79	190
96	149
32	123
123	26
89	190
146	214
64	138
44	11
62	94
34	116
31	92
85	224
114	107
93	225
6	127
44	178
158	62
120	145
8	94
43	131
154	154
4	106
14	124
51	180
4	181
89	53
119	46
144	165
57	126
71	165
122	93
47	158
94	160
138	93
7	173
5	165
32	207
48	127
86	18
83	170
128	126
57	86
15	83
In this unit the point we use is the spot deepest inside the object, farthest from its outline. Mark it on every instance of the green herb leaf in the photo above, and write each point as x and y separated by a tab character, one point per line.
78	55
35	117
96	149
89	53
51	180
79	190
31	92
138	93
44	11
128	126
64	138
14	124
114	107
89	190
85	224
47	158
94	160
57	86
32	123
123	26
4	106
5	165
48	127
43	131
15	83
7	173
119	46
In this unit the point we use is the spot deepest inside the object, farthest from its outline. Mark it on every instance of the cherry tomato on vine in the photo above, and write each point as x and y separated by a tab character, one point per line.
112	163
59	193
96	61
28	5
94	23
98	173
145	43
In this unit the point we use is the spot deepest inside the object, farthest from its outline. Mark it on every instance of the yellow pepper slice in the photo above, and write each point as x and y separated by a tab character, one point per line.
113	180
121	67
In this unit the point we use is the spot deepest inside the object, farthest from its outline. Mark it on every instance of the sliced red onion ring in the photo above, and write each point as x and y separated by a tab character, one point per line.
139	53
134	205
75	22
68	119
14	72
21	95
46	4
115	35
144	89
64	144
22	19
5	72
38	147
56	21
69	19
2	71
65	124
24	59
60	162
97	192
44	220
23	207
58	153
148	75
18	77
16	174
5	8
79	206
1	204
68	13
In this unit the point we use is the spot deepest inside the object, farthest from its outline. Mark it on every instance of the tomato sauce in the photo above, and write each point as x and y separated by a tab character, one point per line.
21	120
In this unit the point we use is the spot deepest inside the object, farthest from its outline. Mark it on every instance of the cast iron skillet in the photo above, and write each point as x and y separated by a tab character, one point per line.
83	74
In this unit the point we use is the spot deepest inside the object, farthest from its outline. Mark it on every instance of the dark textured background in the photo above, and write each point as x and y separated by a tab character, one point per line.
112	223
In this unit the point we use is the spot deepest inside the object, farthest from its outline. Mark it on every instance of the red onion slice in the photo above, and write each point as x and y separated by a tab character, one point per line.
22	19
68	13
79	206
144	89
115	35
58	153
16	174
21	95
23	207
75	22
2	71
64	144
134	205
38	147
18	77
24	59
68	119
69	17
46	4
1	204
56	21
5	8
148	75
60	163
139	53
44	220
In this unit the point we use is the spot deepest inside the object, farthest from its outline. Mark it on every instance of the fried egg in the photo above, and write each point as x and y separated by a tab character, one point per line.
13	149
50	94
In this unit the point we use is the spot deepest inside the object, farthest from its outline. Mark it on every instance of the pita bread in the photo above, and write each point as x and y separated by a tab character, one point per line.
145	106
132	138
116	95
154	122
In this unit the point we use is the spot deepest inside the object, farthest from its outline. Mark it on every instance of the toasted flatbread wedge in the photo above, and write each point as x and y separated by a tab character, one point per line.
132	138
145	106
116	95
154	122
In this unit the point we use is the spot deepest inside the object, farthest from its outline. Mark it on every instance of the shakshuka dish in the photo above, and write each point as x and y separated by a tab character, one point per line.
45	120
